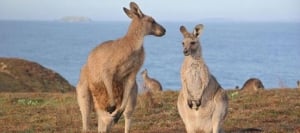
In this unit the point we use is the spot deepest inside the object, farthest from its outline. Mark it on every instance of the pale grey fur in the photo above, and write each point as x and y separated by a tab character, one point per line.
202	103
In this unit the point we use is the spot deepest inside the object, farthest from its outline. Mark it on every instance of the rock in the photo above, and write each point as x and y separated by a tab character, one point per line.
19	75
75	19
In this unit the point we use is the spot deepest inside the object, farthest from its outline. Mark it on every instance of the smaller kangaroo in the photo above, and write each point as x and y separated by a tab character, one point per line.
202	103
253	84
298	84
150	83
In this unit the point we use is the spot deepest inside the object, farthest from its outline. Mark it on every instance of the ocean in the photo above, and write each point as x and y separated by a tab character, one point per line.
233	51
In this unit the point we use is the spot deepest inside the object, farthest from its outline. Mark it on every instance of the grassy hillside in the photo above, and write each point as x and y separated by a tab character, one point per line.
19	75
276	110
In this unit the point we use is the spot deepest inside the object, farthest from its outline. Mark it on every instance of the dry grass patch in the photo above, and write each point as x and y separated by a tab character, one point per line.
276	110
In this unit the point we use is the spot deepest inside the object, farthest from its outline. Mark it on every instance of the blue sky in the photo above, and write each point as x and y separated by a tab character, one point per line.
164	10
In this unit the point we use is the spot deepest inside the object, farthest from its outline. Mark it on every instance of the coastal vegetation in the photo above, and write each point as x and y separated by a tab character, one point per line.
271	110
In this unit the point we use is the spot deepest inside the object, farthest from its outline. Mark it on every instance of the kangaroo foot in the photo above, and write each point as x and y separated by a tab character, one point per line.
116	116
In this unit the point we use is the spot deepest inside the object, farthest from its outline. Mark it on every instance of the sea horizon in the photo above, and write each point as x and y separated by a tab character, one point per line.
233	51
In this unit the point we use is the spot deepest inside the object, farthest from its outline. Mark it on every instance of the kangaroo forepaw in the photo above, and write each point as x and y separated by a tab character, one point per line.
198	103
111	109
190	103
194	104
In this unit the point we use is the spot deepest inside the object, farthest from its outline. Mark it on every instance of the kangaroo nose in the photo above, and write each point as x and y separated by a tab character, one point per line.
163	31
185	52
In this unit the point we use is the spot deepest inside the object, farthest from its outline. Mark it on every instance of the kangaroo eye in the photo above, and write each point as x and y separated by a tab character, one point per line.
193	43
153	22
182	43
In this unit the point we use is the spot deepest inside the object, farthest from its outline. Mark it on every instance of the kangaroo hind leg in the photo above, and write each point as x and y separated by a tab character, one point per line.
130	108
84	102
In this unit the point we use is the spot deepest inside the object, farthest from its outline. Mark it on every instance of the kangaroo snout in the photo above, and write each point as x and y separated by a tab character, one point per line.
160	32
186	52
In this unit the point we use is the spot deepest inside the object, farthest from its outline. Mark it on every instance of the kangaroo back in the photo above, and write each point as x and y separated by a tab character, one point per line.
253	84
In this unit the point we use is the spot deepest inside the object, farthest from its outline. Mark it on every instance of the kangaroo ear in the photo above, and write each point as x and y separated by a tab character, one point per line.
198	30
128	12
136	10
183	31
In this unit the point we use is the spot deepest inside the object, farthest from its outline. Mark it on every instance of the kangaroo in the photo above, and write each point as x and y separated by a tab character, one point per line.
298	84
150	83
202	103
108	79
253	84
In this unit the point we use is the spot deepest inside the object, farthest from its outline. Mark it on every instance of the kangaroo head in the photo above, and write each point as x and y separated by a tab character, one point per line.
144	73
191	43
146	24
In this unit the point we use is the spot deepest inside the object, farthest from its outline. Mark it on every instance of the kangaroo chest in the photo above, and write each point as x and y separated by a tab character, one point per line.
195	77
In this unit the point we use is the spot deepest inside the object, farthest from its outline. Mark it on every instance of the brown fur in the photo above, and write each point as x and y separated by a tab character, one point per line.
253	84
99	91
202	103
150	83
101	95
109	76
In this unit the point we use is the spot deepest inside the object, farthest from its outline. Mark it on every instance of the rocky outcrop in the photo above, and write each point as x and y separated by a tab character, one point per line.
19	75
75	19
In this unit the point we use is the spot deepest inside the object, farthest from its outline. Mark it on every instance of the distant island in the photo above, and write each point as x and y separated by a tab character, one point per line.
75	19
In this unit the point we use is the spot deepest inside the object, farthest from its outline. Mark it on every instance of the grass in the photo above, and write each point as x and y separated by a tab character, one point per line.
275	110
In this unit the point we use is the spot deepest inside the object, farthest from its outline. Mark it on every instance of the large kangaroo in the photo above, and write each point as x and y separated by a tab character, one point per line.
202	103
109	75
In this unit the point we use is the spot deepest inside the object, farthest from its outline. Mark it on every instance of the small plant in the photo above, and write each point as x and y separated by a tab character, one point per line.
28	131
30	102
233	94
